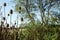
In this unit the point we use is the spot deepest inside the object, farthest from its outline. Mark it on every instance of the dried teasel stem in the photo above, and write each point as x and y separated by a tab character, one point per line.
4	12
15	23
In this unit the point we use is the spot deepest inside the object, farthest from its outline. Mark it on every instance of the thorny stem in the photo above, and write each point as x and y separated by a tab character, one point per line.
17	20
5	15
10	19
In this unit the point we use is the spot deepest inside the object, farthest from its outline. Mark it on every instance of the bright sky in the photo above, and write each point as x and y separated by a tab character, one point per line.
10	5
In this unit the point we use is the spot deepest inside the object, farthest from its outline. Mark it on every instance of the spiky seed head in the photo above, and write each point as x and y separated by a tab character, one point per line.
7	25
4	4
15	23
11	11
8	14
19	8
2	22
21	18
4	18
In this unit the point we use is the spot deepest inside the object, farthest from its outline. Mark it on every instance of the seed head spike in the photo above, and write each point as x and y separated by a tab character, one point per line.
11	11
4	4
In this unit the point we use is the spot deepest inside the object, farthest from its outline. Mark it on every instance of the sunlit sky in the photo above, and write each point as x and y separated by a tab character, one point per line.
10	5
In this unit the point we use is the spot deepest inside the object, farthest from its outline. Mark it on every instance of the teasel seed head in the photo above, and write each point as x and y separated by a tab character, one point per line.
2	22
21	18
15	23
4	4
11	11
19	8
7	25
8	15
4	18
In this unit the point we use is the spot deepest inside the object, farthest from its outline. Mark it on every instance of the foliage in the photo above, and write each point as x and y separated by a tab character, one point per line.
34	29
